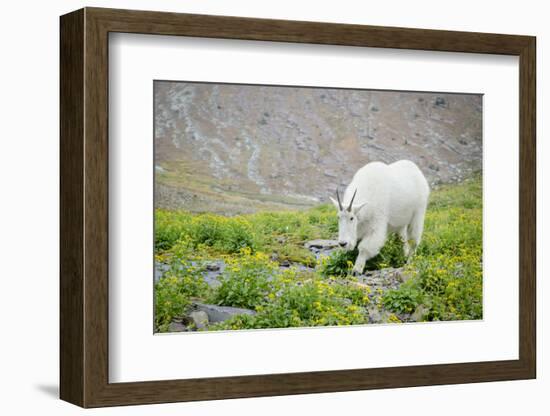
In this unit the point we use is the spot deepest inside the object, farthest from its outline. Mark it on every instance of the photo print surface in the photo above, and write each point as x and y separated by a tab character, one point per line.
291	206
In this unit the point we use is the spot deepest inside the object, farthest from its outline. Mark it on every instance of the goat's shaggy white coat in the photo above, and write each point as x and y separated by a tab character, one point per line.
390	198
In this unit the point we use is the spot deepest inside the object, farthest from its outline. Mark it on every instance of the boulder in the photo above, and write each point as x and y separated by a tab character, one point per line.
377	316
217	313
176	327
419	313
199	319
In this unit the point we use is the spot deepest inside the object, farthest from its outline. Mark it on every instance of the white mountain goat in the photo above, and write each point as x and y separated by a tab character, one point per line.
382	199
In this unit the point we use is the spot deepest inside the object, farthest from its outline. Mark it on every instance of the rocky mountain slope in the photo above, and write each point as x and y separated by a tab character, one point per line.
238	148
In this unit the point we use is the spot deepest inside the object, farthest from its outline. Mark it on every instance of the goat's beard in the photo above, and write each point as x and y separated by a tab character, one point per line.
354	246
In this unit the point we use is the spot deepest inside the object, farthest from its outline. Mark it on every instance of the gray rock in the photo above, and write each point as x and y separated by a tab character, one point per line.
212	266
403	276
160	269
199	319
419	313
211	276
321	244
218	313
389	278
377	316
441	102
177	327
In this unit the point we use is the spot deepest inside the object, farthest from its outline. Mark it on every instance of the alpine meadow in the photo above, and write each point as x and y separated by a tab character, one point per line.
279	207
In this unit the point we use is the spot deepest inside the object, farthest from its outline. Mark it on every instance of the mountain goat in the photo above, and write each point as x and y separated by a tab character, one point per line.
382	199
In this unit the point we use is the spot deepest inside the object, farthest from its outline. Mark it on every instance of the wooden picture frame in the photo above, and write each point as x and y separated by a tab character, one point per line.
84	207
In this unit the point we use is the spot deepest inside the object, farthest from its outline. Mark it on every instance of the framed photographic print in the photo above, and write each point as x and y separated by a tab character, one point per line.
255	207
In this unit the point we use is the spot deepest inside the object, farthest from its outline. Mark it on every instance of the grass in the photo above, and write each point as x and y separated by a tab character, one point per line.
282	233
444	277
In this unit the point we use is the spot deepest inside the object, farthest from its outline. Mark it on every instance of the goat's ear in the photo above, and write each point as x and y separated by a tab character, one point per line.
335	202
357	208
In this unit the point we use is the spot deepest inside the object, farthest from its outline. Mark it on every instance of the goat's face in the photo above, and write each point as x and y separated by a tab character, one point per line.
347	229
347	222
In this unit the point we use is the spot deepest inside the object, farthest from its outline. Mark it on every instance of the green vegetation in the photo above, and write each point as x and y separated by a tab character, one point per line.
284	299
173	292
247	281
281	233
443	280
341	262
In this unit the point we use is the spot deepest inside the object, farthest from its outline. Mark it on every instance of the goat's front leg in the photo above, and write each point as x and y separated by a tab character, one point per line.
368	248
360	262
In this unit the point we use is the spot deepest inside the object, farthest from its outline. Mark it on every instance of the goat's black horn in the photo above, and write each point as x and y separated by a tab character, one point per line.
351	202
338	197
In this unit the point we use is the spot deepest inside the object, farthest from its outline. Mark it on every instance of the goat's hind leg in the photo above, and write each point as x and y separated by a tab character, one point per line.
416	227
404	236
